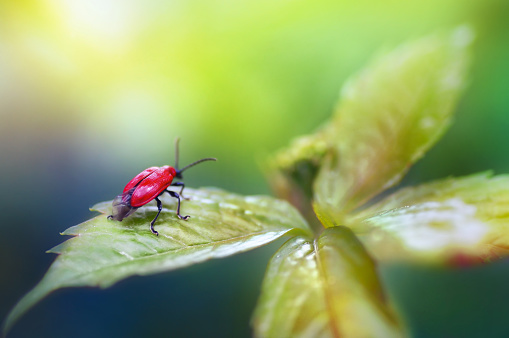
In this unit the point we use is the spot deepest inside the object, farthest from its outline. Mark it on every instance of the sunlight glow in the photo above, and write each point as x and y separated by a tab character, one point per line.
100	21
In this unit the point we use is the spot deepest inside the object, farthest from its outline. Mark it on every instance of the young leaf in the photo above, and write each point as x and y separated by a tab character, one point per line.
292	302
328	288
454	217
388	117
104	252
291	172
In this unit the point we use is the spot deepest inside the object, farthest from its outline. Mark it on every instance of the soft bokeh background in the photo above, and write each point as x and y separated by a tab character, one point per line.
94	91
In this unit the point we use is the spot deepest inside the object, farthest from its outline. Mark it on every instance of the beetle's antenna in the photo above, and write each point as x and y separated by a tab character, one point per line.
193	164
177	153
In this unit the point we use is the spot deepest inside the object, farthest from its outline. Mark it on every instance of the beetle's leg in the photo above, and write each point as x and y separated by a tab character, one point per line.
159	208
174	194
180	184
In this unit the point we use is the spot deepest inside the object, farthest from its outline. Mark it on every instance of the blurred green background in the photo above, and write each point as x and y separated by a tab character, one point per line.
94	91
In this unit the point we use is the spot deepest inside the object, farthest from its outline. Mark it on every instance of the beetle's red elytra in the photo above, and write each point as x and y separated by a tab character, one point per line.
149	185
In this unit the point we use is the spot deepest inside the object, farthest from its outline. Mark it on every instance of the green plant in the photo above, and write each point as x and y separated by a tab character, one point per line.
323	281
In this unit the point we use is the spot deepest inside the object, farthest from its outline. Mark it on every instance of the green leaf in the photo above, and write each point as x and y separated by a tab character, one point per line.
104	252
292	171
292	302
440	221
326	288
388	117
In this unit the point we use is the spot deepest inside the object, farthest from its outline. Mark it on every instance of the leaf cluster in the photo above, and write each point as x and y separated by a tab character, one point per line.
323	282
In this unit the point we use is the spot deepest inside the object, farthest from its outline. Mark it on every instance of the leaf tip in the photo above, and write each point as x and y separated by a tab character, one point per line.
102	207
40	291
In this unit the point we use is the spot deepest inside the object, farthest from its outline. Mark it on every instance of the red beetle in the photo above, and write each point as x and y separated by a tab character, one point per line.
149	185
